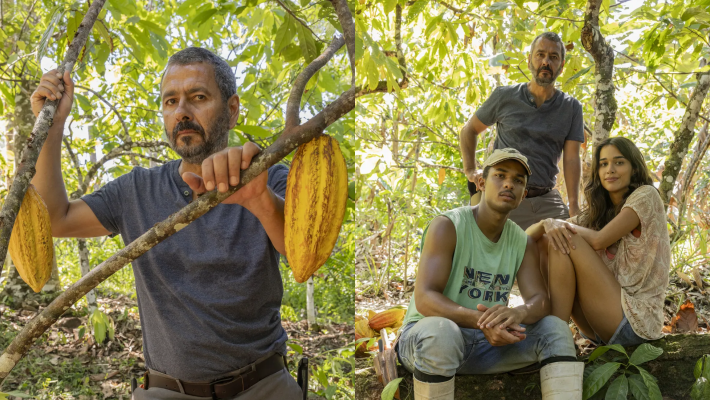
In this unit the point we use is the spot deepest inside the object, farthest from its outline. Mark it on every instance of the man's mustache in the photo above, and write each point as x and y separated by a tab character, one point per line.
188	125
543	68
508	192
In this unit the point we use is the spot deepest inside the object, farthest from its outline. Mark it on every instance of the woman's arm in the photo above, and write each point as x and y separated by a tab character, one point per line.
536	230
626	221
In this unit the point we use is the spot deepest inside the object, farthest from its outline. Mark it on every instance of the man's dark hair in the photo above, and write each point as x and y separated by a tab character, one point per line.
551	36
223	75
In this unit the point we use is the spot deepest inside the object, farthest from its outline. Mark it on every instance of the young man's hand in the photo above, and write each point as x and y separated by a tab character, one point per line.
501	325
222	170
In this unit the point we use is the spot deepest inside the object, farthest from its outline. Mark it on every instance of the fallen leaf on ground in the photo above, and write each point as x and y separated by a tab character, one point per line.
686	321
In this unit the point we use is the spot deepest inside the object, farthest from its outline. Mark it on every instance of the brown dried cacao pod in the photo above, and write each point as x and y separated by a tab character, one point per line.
316	196
31	246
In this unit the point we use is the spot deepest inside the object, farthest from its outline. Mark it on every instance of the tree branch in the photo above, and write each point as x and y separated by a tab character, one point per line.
26	168
115	111
299	20
603	54
676	97
382	85
116	152
294	100
348	24
683	136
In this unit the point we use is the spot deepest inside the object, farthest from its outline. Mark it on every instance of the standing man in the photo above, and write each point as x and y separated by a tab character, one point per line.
209	296
541	122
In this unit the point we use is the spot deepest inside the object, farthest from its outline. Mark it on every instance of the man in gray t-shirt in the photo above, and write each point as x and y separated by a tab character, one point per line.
209	296
541	122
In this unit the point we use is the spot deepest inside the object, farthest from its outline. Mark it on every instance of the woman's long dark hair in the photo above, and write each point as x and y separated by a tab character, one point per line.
600	209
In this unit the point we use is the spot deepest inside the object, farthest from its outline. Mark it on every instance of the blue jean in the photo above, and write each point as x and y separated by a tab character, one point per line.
624	335
437	346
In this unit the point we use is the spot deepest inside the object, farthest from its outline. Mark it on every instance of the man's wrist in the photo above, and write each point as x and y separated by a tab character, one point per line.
262	205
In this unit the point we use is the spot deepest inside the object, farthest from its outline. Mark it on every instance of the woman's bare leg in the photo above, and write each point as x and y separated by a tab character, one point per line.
581	321
562	283
597	290
542	245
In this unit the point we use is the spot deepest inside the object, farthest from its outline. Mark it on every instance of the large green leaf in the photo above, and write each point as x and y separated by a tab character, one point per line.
644	353
654	393
638	388
54	18
391	389
253	130
285	34
618	389
307	43
599	378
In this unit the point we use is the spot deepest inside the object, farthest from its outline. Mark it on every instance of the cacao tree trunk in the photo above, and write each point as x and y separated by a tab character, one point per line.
604	101
310	305
684	135
85	268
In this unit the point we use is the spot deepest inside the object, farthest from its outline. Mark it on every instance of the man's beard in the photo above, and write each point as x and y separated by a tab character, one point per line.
544	81
215	141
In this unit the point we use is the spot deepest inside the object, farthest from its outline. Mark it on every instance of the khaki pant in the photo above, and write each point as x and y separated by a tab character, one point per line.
530	211
277	386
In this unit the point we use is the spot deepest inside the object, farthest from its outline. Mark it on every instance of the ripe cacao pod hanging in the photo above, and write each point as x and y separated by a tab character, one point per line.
316	196
31	246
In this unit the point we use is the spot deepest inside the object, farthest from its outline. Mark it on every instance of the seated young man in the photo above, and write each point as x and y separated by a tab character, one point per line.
458	321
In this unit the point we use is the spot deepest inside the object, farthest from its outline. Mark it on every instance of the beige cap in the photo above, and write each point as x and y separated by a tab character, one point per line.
508	153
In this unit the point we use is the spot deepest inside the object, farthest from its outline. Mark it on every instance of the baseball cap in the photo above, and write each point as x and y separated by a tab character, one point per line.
508	153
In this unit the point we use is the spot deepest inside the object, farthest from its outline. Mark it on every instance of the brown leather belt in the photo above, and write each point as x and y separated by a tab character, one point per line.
223	388
534	191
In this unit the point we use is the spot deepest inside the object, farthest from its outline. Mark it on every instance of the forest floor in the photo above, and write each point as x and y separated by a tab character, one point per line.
67	363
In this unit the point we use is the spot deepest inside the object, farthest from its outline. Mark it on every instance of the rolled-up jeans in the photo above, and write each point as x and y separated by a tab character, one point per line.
437	346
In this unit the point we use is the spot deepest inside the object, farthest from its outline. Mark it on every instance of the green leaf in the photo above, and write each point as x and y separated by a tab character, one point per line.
391	389
618	389
295	346
598	378
307	43
15	393
598	352
253	130
644	353
389	5
415	9
654	393
700	389
56	15
638	387
152	27
204	16
579	73
285	34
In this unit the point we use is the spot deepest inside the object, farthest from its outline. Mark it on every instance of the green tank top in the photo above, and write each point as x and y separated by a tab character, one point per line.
482	272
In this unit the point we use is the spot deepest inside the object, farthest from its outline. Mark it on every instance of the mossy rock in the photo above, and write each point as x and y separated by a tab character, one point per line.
674	370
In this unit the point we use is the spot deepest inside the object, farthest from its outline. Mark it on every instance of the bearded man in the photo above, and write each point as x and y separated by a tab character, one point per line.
541	122
209	296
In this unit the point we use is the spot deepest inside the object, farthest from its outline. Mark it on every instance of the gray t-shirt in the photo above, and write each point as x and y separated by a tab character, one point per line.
209	296
538	133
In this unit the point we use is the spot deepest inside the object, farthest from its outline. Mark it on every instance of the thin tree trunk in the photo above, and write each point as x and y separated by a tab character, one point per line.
85	269
604	101
683	136
310	305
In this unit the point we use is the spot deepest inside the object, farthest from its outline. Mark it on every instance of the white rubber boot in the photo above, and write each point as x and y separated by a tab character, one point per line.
433	391
562	381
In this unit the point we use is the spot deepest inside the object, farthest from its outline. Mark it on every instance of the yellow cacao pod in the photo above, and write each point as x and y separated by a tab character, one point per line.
316	196
363	329
31	246
387	319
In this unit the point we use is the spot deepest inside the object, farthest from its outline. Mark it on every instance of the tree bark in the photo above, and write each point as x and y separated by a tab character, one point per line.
26	169
310	305
683	136
288	140
85	269
604	101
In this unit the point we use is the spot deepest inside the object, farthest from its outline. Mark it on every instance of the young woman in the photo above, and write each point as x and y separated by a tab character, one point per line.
608	267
